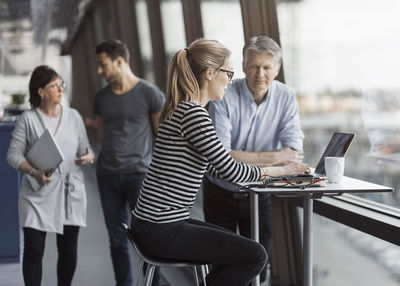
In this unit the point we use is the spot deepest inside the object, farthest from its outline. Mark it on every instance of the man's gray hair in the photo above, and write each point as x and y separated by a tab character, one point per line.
263	45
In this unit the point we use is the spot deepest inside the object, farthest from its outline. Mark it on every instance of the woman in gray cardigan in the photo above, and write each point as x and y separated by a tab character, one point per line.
55	203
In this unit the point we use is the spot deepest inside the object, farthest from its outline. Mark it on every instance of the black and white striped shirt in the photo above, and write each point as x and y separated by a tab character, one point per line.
186	147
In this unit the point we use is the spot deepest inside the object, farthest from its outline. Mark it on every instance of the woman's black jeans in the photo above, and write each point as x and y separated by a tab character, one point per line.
34	242
236	260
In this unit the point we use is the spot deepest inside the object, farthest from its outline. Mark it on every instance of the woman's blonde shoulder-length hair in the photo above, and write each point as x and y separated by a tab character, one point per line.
185	69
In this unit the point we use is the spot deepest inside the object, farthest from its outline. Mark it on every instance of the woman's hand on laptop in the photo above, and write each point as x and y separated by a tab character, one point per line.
294	168
290	168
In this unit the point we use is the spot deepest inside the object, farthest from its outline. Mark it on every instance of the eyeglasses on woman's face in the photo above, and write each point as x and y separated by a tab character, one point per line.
56	86
229	73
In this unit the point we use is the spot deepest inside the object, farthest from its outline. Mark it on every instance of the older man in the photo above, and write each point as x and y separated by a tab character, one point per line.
258	123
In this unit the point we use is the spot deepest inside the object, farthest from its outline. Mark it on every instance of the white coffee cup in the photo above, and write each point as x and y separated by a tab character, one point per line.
334	169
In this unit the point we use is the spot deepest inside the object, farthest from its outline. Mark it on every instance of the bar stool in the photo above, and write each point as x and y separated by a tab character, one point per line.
159	262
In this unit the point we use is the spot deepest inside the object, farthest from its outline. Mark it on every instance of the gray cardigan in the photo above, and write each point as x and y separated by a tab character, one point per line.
63	200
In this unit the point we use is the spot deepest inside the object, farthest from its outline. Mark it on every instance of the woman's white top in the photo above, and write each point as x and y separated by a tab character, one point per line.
51	121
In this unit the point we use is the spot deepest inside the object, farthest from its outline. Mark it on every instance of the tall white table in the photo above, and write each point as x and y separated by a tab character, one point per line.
347	185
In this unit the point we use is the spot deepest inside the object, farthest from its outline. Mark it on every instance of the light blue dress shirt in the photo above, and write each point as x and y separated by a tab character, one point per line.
242	125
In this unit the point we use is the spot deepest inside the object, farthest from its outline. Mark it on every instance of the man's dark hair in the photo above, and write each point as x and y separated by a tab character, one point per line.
114	48
40	77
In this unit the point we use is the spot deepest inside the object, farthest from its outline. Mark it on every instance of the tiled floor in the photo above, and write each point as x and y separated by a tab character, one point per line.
94	262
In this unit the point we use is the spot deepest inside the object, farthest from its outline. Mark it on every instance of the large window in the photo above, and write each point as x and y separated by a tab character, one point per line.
222	21
145	39
345	256
341	56
173	27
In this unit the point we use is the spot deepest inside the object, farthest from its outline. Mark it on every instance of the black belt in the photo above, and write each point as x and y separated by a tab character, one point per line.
230	195
216	190
221	192
239	196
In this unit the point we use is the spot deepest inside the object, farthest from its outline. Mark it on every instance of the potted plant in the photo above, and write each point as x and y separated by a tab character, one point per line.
17	105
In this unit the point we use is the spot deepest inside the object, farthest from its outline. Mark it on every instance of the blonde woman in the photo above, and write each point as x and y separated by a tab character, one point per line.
186	148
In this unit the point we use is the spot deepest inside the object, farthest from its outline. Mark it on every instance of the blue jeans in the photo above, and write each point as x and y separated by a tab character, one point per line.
117	193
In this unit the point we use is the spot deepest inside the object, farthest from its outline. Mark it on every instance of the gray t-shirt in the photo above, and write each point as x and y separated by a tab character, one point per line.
128	134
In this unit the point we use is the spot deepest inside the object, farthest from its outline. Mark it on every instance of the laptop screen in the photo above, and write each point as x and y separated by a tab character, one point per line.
337	147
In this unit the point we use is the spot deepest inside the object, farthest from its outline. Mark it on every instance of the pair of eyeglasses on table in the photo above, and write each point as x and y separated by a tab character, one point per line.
292	181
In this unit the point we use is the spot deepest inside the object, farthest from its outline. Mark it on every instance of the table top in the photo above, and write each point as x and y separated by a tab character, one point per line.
347	185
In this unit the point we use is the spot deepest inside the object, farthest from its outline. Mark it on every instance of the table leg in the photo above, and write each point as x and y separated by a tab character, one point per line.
307	241
254	223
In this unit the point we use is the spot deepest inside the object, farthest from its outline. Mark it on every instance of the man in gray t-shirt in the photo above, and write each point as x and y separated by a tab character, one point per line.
127	111
128	129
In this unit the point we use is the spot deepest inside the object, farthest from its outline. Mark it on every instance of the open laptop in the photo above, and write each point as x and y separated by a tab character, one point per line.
337	147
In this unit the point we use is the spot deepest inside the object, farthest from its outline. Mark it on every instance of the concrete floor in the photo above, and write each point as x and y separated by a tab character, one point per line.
94	262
